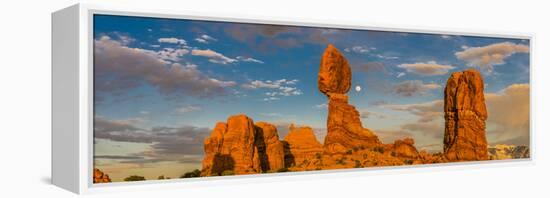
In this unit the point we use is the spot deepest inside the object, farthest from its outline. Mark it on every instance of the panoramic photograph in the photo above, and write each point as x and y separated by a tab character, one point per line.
178	98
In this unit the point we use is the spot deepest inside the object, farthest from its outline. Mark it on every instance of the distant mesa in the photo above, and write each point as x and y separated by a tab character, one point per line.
465	116
503	151
100	177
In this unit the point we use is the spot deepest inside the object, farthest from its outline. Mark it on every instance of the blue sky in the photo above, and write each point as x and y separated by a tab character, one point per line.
162	84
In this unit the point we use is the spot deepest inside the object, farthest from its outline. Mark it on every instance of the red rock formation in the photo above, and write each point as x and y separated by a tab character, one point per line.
271	149
231	147
405	148
242	147
301	145
100	177
334	74
344	128
465	115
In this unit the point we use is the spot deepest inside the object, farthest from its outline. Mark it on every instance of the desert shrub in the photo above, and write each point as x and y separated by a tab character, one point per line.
228	172
361	147
357	164
408	161
355	148
378	149
318	155
365	156
341	161
194	173
134	178
161	177
393	154
349	152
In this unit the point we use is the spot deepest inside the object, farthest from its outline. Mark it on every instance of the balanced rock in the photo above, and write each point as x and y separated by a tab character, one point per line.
300	145
270	148
465	116
334	74
344	128
100	177
231	147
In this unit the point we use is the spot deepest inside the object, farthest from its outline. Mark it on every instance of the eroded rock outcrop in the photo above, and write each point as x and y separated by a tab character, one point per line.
270	148
242	147
465	116
301	145
405	148
344	128
100	177
231	147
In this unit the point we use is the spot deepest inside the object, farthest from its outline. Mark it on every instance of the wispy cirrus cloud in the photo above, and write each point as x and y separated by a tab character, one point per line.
430	68
413	88
172	40
486	57
205	39
281	87
213	56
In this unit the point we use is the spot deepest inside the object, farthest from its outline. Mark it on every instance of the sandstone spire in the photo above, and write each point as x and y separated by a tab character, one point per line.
344	128
465	116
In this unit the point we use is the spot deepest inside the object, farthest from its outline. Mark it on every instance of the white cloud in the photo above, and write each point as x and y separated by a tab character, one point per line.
321	106
249	59
271	99
486	57
430	68
172	40
400	74
443	36
205	39
188	109
413	87
171	54
213	56
119	68
386	57
357	49
280	87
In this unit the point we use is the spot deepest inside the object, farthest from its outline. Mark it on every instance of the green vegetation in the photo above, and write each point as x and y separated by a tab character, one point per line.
194	173
134	178
378	149
318	155
357	164
228	172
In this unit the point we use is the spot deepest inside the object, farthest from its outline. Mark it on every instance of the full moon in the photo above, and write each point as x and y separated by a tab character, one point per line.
357	88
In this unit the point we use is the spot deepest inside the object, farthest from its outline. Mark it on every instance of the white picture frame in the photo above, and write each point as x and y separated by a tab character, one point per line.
72	102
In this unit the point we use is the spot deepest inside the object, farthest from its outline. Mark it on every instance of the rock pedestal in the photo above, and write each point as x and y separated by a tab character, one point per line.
465	116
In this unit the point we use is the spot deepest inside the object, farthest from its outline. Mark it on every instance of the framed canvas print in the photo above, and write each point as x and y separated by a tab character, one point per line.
161	98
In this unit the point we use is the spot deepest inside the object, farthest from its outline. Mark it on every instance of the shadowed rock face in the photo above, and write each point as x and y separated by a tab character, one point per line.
344	127
270	148
232	147
465	116
242	147
100	177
